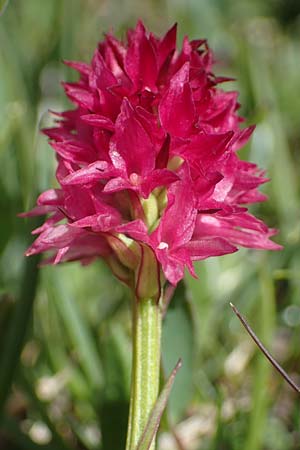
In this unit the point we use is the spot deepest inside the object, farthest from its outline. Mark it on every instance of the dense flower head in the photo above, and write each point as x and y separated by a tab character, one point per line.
149	175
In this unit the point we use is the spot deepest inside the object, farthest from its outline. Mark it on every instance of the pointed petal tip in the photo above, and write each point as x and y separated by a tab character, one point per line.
140	25
30	251
79	66
274	246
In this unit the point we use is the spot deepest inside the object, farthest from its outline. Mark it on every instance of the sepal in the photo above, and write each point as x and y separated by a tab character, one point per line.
148	284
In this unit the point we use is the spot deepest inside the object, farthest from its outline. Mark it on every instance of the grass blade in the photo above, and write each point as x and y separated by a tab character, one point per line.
78	331
154	420
3	6
18	327
264	350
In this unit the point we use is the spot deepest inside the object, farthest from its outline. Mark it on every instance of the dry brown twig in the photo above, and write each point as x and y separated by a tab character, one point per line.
264	350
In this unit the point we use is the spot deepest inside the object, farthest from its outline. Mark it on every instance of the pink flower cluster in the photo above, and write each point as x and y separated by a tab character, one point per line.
147	162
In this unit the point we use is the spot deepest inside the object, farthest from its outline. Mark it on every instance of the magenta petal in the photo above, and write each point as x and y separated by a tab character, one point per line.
57	237
101	77
132	142
150	124
37	211
78	202
47	202
117	184
135	229
50	222
90	174
74	152
115	52
104	221
198	150
177	109
205	184
172	268
163	155
177	223
80	95
246	181
80	66
60	255
57	134
84	248
140	60
241	137
243	220
243	230
51	197
252	196
159	177
167	45
207	246
96	120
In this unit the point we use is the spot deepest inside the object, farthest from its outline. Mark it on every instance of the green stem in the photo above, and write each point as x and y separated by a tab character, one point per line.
146	337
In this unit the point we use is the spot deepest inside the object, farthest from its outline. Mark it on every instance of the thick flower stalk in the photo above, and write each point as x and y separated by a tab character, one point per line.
150	179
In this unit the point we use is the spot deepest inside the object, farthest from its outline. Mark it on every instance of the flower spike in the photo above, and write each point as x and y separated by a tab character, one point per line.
148	167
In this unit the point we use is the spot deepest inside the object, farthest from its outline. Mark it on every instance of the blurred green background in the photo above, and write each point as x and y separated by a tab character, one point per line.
65	331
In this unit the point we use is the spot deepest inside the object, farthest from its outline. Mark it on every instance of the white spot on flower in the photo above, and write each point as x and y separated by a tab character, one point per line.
134	178
162	245
210	220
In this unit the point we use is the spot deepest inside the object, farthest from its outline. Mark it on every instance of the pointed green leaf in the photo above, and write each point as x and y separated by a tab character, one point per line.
154	420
